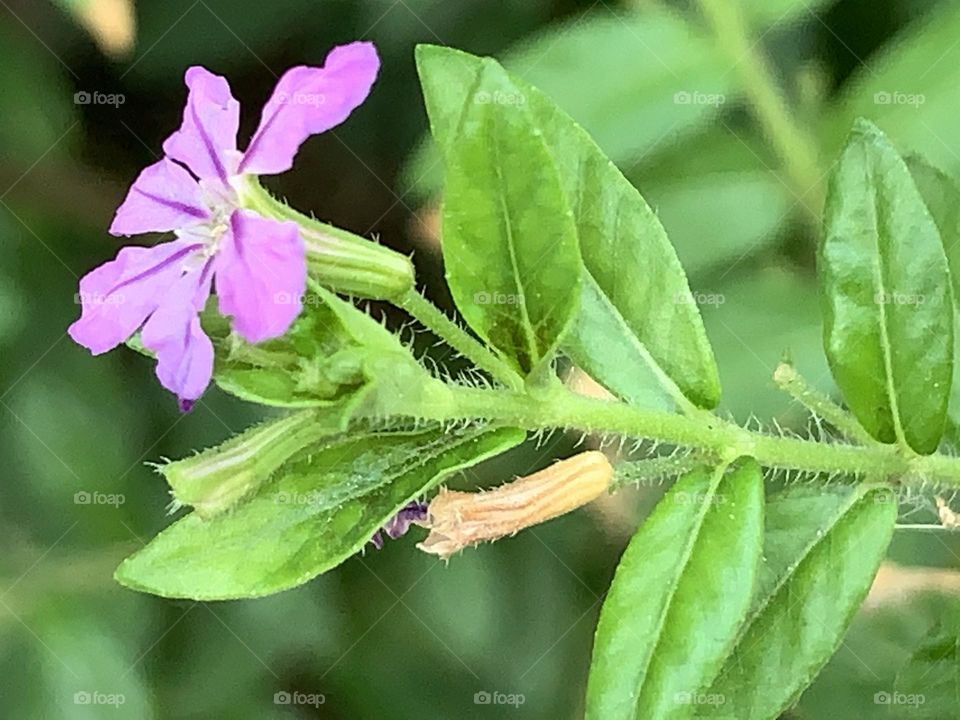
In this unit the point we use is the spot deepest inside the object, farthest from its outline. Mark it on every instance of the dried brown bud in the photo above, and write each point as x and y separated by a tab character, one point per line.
460	519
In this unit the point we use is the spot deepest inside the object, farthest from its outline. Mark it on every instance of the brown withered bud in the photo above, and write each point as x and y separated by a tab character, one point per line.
460	519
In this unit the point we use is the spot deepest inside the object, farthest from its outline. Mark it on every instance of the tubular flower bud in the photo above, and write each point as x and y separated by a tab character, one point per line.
460	519
216	479
337	259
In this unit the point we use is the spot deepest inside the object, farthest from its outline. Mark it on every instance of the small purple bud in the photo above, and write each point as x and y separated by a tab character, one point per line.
186	405
398	525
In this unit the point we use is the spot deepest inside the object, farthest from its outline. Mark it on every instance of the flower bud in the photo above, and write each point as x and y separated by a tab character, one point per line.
337	259
460	519
216	479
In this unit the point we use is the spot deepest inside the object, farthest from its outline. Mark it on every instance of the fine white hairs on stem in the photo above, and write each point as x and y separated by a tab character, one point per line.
460	519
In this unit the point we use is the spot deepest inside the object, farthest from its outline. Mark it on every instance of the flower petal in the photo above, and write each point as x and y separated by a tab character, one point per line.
307	101
261	275
207	140
119	295
164	197
184	352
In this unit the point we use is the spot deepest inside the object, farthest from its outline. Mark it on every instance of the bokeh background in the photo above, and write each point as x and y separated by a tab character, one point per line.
396	634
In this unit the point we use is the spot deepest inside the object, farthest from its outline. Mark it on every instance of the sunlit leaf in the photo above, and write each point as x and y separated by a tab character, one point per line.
679	596
885	289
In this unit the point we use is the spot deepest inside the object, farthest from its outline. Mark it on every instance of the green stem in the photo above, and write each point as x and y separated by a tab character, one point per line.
797	151
714	438
788	380
429	315
654	470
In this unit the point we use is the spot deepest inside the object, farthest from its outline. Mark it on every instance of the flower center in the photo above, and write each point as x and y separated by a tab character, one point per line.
221	200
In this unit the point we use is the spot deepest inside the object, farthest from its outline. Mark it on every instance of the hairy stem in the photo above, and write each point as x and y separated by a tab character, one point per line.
429	315
712	437
789	140
788	380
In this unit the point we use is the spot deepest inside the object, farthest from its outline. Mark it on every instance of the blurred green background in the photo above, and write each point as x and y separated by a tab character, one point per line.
397	634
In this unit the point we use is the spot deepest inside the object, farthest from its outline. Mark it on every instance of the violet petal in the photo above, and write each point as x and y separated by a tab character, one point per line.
261	275
308	101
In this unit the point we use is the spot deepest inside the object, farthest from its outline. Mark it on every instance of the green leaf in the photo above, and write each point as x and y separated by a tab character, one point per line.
678	598
324	506
509	242
885	290
821	553
635	81
942	195
638	329
928	685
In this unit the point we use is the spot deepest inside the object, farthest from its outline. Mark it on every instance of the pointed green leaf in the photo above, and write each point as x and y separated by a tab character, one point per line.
942	196
509	242
821	553
637	330
635	81
324	506
885	289
637	307
678	598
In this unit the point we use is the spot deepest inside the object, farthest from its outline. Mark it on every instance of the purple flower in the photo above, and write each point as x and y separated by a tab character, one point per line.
397	526
195	191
